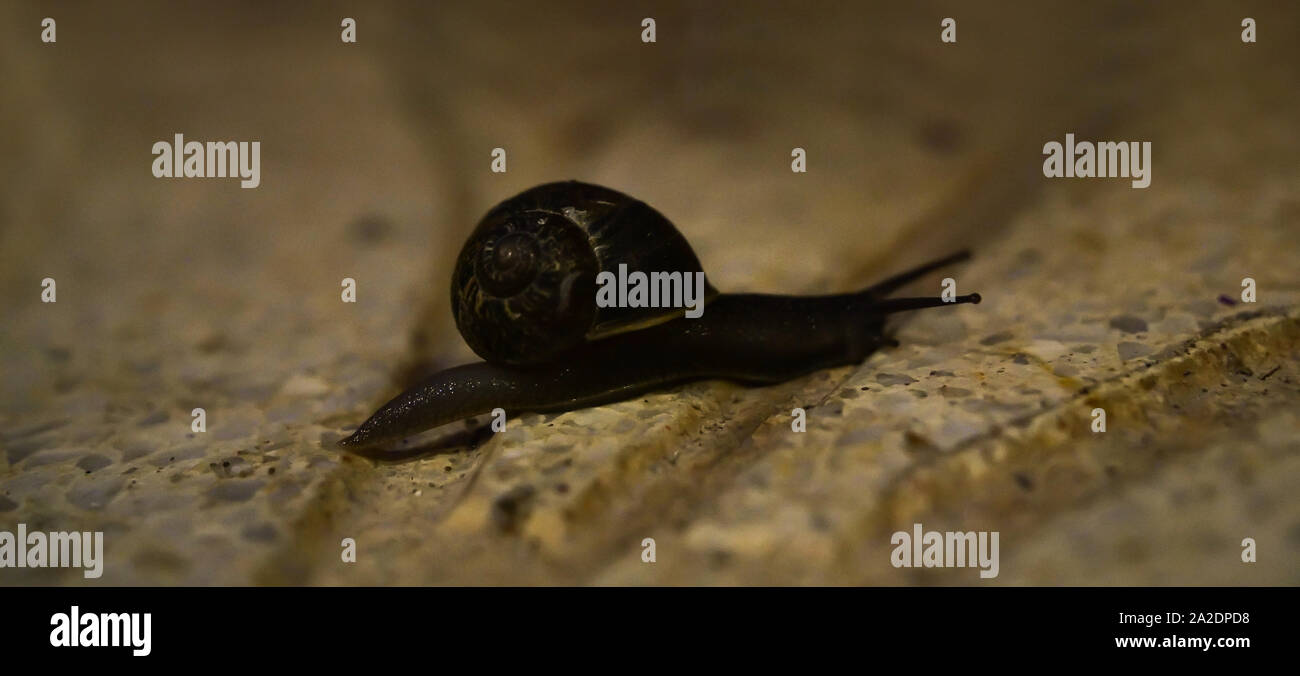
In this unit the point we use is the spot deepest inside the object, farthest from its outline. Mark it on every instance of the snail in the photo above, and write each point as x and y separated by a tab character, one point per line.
524	291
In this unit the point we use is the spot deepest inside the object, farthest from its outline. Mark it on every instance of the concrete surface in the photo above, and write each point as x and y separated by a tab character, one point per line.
176	294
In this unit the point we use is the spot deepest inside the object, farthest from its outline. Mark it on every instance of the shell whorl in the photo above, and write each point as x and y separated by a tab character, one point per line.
524	286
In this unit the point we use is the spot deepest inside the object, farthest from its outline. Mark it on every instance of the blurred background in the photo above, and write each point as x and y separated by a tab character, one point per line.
375	165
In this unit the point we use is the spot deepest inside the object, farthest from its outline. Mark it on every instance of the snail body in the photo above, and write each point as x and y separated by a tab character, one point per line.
523	295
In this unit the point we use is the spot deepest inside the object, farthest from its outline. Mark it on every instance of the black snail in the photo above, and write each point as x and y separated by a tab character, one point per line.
524	291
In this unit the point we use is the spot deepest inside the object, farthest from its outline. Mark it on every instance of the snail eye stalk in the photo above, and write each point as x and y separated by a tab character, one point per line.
892	305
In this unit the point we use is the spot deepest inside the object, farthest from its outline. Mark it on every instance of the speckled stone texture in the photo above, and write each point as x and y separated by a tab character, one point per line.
176	294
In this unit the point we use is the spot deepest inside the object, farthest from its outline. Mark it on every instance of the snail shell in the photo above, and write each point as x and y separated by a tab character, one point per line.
524	287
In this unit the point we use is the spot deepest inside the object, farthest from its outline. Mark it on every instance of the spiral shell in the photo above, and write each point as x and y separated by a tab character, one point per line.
524	288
